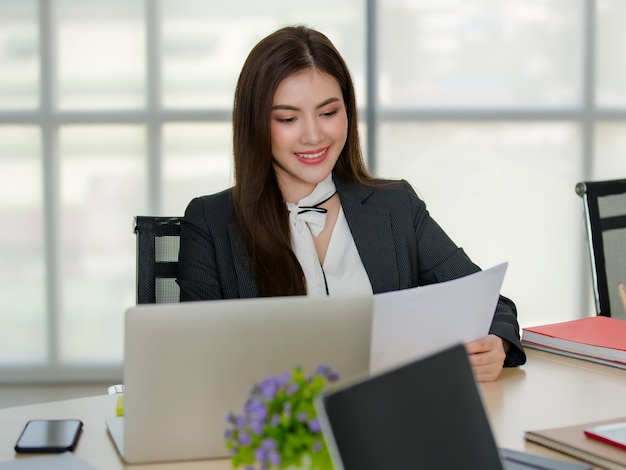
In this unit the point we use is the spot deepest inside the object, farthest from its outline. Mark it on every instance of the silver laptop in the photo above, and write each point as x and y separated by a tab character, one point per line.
186	365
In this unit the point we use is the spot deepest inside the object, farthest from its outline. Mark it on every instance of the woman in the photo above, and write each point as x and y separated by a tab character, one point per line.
304	215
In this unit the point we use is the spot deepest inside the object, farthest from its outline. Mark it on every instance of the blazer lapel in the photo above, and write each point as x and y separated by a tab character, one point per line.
373	236
372	232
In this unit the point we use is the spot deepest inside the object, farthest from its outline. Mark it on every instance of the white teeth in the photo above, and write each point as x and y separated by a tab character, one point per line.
311	155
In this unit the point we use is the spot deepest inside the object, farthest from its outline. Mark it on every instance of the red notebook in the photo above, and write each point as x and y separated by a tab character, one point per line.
599	339
614	433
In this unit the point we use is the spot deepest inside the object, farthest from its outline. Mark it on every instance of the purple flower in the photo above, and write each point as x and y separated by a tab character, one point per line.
256	408
269	444
261	455
317	446
277	401
332	376
283	379
256	427
314	425
326	371
273	458
293	388
244	438
268	388
266	453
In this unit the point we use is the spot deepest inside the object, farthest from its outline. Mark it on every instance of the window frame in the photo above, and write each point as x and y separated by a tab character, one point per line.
50	120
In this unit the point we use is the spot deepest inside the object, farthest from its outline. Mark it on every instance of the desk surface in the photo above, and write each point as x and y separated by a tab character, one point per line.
549	391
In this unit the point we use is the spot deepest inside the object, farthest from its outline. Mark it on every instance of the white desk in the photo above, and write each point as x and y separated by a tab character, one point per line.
551	391
548	391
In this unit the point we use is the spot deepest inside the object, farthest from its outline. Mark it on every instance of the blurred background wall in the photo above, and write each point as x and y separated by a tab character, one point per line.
492	110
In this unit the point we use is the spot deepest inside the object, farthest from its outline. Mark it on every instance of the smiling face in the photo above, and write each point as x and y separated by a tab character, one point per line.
309	127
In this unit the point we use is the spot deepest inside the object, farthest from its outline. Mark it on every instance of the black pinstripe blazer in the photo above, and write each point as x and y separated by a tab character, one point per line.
400	245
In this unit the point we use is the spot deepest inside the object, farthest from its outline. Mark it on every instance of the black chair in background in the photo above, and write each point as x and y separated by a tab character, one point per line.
605	217
158	241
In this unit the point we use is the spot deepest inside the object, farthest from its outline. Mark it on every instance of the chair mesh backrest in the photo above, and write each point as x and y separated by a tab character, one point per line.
605	211
158	240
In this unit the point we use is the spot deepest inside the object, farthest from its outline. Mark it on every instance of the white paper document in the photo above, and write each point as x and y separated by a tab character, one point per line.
413	323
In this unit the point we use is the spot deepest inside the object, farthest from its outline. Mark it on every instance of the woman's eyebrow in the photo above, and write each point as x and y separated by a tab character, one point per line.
295	108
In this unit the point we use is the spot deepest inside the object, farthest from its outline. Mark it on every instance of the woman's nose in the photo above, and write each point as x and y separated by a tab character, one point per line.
311	132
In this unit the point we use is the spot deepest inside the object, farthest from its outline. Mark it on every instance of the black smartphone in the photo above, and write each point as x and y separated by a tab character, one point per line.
49	435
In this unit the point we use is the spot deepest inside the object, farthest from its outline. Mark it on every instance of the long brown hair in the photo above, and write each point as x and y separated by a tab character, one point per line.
260	209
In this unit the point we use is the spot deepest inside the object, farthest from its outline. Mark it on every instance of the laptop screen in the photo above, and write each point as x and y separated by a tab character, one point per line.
426	414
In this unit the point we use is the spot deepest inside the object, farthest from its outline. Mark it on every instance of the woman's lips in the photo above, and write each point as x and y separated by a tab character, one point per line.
313	157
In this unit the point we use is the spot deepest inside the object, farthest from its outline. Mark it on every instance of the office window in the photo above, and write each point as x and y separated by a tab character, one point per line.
19	55
611	72
102	184
100	54
196	161
503	191
479	54
471	124
113	108
610	151
23	337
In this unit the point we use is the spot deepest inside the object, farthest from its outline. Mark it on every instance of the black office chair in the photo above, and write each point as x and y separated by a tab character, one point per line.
158	241
605	218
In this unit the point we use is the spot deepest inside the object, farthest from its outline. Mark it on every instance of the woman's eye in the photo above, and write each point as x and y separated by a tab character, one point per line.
330	113
285	120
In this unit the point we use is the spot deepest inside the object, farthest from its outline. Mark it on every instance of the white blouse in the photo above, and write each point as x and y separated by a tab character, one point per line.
343	273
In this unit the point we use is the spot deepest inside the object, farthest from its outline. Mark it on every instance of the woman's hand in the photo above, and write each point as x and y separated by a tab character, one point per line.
486	355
